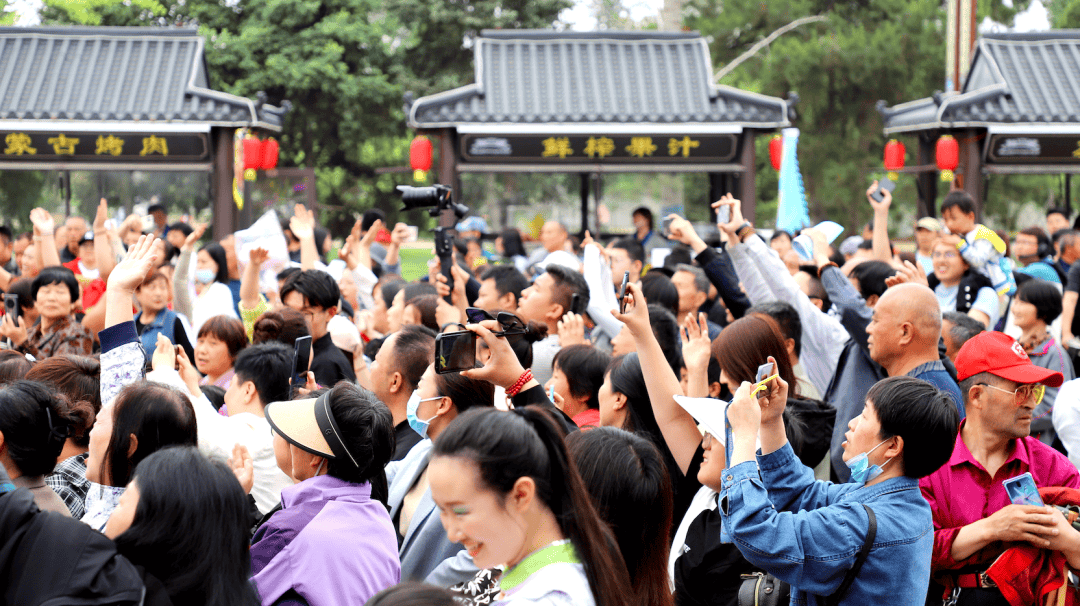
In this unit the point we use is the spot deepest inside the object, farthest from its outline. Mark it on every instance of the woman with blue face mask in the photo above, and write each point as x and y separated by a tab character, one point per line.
808	533
437	400
209	282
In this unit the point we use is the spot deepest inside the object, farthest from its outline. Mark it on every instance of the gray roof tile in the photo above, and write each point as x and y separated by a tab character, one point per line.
116	73
1031	78
540	77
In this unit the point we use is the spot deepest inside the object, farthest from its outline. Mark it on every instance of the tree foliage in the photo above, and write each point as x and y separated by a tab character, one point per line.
891	50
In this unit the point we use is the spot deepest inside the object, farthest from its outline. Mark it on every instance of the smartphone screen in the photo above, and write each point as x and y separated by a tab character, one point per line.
455	351
666	226
301	360
1022	490
622	292
11	306
477	315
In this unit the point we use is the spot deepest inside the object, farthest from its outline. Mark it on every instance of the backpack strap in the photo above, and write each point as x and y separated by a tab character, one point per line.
871	533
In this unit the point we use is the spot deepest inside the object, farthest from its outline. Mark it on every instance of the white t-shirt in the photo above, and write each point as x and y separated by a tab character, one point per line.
216	300
986	301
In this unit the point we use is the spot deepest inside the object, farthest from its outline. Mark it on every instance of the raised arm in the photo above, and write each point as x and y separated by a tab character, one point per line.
122	355
882	250
44	225
249	281
103	250
676	425
302	225
697	352
717	266
181	289
397	238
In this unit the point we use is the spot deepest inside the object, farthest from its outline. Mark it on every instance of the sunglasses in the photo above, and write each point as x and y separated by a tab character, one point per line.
511	324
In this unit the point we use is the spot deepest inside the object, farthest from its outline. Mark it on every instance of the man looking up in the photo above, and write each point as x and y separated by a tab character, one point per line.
315	294
903	337
546	302
693	287
500	288
76	228
395	374
973	518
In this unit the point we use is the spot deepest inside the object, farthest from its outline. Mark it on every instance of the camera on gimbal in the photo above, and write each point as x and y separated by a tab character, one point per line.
436	199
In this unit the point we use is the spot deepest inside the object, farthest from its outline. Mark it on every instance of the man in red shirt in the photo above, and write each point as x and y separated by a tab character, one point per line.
974	520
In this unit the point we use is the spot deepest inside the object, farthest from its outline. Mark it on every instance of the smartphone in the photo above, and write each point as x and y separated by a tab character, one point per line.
575	303
665	227
622	292
477	315
301	360
723	214
1022	490
11	307
455	351
414	233
764	372
885	184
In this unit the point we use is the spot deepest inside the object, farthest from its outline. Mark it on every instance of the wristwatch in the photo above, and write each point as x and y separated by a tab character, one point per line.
744	230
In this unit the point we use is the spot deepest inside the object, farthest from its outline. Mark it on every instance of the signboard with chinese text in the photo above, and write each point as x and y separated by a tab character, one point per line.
618	149
1034	149
103	147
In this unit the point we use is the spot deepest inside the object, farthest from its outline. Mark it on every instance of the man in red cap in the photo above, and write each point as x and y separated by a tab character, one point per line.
973	517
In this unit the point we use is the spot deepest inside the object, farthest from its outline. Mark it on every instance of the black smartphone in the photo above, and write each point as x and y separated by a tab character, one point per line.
575	303
885	184
622	292
301	359
455	351
665	229
11	307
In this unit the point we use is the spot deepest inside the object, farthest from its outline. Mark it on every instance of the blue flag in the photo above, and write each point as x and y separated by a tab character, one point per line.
791	213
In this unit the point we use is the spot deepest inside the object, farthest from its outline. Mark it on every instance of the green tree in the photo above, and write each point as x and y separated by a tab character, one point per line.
891	50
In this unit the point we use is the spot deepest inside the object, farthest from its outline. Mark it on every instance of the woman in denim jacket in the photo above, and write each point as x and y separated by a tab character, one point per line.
808	532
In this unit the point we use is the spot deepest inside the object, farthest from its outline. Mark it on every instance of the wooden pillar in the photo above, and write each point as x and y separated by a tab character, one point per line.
586	185
221	141
748	178
927	182
971	143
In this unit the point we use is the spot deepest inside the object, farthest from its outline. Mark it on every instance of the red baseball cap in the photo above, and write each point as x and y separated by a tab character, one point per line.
1000	355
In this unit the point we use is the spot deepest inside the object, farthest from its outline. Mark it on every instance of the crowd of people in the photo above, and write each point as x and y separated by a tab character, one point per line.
648	421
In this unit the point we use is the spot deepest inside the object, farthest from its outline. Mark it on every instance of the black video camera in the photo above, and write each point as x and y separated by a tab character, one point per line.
435	198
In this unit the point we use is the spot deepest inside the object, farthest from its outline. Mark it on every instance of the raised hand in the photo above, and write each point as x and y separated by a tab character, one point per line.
774	399
682	230
696	346
503	369
302	224
735	220
197	232
400	234
886	198
188	372
258	256
164	354
43	221
129	273
102	216
908	273
636	317
572	330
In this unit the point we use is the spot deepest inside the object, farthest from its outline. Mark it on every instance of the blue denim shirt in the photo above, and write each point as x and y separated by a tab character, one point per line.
811	536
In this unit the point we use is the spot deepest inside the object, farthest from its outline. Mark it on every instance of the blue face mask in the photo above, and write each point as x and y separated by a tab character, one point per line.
205	276
420	426
861	470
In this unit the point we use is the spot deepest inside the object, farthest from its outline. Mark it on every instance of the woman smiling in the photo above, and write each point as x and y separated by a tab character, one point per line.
55	291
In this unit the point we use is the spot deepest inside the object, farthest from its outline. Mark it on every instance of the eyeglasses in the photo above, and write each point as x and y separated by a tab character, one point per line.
948	254
1022	393
706	441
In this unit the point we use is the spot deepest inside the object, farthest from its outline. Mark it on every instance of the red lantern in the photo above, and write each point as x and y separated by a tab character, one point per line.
420	157
269	154
948	156
252	153
776	151
894	158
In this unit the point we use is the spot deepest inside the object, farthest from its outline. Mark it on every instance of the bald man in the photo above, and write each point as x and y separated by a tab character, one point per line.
903	337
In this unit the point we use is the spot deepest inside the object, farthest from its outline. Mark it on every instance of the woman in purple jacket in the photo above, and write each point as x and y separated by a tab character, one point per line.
332	542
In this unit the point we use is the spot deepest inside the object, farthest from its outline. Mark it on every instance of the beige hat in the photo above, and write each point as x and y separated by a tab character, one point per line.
309	425
928	223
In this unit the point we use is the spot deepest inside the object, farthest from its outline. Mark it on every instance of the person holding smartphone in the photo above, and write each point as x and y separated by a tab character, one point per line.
973	515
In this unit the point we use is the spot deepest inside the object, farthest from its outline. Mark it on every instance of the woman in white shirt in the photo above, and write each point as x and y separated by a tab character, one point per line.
211	282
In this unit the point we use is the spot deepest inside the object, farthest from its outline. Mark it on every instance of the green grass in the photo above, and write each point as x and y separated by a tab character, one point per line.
414	263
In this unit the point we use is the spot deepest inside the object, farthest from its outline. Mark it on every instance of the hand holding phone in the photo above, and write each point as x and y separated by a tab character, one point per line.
622	292
455	351
884	185
301	360
665	229
11	305
723	215
1023	491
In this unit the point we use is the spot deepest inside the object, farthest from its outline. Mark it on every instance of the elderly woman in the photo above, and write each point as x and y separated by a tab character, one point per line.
55	291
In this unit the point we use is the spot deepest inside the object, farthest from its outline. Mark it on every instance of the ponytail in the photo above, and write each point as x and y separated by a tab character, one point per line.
527	443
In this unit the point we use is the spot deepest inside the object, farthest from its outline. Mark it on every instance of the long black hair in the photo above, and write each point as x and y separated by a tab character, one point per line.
35	421
367	430
190	529
507	446
631	488
512	246
157	415
217	253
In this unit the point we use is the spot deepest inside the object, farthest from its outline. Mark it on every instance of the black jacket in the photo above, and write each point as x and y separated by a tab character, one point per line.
50	559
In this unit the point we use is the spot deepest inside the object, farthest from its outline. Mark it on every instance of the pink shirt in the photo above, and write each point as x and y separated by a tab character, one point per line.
962	492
